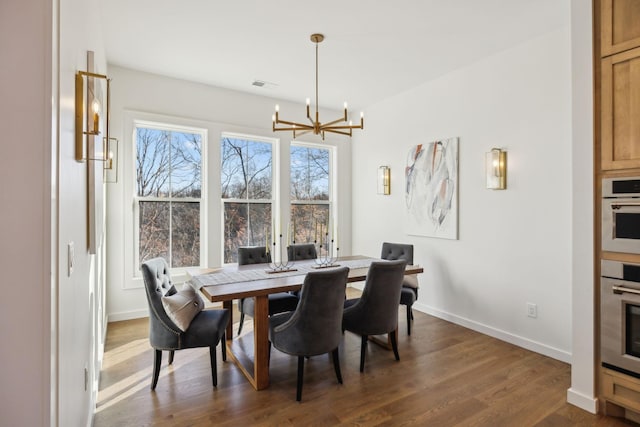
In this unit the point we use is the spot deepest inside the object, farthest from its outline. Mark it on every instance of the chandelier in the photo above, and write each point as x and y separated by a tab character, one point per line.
341	125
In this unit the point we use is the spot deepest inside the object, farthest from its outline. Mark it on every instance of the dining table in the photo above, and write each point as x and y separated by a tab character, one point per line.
257	281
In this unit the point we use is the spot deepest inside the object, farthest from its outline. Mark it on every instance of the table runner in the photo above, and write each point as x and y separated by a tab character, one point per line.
222	277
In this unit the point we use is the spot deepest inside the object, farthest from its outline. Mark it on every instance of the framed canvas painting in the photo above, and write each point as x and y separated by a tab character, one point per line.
431	189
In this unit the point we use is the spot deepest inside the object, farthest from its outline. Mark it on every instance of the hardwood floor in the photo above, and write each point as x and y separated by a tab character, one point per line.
447	375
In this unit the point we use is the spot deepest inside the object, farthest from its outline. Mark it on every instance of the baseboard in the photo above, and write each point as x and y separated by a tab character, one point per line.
528	344
588	403
127	315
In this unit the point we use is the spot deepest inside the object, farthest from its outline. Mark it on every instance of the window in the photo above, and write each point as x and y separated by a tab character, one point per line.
168	194
310	192
246	175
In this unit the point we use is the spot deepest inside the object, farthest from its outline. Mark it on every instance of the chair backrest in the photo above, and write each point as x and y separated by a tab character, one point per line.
253	255
300	251
380	298
163	333
392	251
316	325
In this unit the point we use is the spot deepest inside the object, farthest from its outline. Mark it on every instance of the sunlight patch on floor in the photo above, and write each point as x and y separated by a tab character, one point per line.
141	379
122	353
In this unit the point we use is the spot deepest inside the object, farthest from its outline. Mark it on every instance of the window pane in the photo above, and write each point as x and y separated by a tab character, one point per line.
152	164
245	169
309	173
186	159
307	220
245	224
154	230
185	234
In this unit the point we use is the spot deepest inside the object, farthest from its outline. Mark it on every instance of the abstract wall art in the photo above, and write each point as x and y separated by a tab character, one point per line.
431	189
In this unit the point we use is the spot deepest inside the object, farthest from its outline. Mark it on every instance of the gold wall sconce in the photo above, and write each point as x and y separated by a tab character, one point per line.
496	169
92	119
384	180
111	164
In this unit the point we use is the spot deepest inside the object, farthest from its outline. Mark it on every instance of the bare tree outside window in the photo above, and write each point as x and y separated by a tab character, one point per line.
169	191
310	195
246	186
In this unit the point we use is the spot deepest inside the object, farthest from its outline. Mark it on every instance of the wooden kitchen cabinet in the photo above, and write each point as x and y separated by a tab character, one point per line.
619	26
620	110
621	389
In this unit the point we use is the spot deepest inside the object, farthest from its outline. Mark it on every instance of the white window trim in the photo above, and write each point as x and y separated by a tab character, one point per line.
132	275
333	186
275	182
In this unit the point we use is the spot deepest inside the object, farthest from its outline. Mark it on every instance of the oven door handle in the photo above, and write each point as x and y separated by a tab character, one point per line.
621	289
616	206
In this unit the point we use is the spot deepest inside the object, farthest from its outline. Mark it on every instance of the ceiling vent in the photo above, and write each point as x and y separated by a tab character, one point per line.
263	83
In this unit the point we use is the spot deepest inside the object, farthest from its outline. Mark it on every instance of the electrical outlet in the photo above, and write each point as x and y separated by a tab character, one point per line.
532	310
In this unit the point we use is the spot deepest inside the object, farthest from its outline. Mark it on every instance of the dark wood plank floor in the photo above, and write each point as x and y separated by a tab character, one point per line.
447	376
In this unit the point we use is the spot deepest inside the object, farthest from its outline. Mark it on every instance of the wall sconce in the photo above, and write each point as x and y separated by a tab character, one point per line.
496	169
384	180
92	118
111	164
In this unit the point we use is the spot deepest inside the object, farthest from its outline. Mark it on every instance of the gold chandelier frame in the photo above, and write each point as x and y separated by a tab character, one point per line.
340	125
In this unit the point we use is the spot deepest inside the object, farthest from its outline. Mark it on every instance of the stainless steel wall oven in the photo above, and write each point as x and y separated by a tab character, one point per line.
621	215
620	314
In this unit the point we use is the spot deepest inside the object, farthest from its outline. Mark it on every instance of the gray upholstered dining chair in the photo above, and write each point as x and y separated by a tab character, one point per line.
278	302
301	251
315	326
409	292
187	327
376	311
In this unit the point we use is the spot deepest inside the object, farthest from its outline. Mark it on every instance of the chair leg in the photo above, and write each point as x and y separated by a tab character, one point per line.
224	346
171	354
241	323
300	376
214	365
363	351
336	364
157	361
409	319
394	344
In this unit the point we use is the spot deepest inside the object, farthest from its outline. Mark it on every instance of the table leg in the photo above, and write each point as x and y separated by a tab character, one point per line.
229	306
261	342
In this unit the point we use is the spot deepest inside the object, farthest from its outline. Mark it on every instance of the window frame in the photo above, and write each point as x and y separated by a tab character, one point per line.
331	203
176	126
275	183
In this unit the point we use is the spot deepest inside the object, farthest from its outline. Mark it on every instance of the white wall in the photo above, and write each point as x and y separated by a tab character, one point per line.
514	246
217	110
47	328
79	341
26	244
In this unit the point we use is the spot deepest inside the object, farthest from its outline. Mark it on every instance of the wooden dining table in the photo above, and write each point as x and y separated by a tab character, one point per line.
258	281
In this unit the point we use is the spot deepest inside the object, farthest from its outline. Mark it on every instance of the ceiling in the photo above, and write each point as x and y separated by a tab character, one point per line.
371	50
